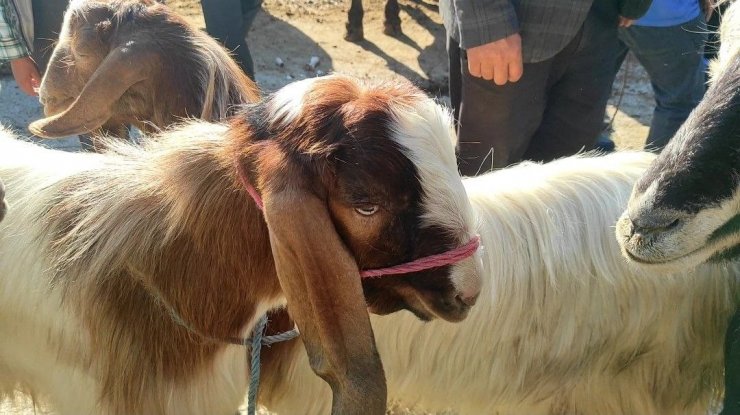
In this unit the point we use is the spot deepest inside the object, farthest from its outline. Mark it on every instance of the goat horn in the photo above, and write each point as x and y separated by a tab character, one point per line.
122	68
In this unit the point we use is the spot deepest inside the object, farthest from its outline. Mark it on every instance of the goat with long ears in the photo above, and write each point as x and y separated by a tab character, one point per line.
135	62
123	267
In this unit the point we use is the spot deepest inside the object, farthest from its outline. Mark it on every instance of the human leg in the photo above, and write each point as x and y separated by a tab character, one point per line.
497	122
47	23
577	92
604	142
229	21
673	58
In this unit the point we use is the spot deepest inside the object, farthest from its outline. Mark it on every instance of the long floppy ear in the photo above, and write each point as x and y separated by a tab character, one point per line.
321	282
122	67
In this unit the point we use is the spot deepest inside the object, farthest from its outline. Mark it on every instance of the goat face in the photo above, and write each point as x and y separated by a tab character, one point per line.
107	69
685	209
381	161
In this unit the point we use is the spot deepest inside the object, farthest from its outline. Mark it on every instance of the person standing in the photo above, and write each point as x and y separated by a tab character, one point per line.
28	31
529	79
669	43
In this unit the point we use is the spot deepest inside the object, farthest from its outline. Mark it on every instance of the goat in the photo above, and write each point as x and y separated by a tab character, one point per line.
685	209
563	325
391	24
135	62
112	250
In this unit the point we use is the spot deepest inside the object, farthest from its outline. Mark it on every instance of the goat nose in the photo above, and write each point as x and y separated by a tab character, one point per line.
467	300
652	224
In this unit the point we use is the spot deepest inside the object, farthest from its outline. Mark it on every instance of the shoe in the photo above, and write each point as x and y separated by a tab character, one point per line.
604	144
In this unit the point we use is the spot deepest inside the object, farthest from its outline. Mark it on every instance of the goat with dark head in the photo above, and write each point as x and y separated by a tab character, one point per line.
135	62
351	177
685	209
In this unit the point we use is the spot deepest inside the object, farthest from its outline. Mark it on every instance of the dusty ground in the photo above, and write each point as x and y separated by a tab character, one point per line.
296	30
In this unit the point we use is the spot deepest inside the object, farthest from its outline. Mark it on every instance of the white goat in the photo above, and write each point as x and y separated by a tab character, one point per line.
563	325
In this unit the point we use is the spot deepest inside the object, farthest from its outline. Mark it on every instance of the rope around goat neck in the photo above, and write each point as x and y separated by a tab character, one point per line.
258	340
253	344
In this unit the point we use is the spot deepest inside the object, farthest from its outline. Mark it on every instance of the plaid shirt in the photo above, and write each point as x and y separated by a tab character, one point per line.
546	26
12	45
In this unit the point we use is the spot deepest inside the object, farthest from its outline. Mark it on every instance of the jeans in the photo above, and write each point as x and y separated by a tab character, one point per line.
229	21
673	58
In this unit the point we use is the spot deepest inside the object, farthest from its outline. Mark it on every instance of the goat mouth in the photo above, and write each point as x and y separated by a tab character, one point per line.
448	307
632	256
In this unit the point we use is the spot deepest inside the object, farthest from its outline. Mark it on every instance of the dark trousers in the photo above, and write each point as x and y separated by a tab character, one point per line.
47	23
229	21
554	110
673	58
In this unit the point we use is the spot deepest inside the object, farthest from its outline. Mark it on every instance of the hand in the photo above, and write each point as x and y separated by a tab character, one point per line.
26	75
625	22
500	61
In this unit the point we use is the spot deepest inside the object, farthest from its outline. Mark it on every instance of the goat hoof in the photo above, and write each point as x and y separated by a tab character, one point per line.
392	29
354	34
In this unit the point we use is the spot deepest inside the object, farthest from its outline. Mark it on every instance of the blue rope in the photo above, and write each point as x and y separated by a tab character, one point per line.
258	340
253	344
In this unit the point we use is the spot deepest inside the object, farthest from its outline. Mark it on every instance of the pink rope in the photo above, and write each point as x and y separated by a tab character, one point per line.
427	262
247	185
432	261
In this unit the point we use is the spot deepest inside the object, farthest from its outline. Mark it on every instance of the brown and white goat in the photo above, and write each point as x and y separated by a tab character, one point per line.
104	248
135	62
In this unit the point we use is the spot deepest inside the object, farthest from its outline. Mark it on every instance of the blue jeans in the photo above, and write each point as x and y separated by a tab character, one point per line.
673	58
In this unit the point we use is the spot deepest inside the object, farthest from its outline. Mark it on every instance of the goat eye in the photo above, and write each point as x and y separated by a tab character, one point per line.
367	210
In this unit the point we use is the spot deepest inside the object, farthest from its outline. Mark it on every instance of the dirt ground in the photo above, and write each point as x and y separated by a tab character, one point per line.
296	30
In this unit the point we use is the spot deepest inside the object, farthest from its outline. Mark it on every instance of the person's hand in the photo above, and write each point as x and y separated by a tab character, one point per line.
26	75
500	61
625	22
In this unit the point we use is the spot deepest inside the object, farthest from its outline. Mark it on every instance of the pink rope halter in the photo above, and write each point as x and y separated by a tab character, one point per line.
432	261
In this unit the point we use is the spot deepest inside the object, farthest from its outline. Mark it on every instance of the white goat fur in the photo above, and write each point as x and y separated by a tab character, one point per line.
563	325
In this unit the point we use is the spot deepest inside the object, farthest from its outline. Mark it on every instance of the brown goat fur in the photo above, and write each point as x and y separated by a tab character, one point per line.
135	62
133	238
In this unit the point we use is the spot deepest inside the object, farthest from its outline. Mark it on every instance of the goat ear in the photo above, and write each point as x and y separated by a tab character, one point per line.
321	282
121	68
